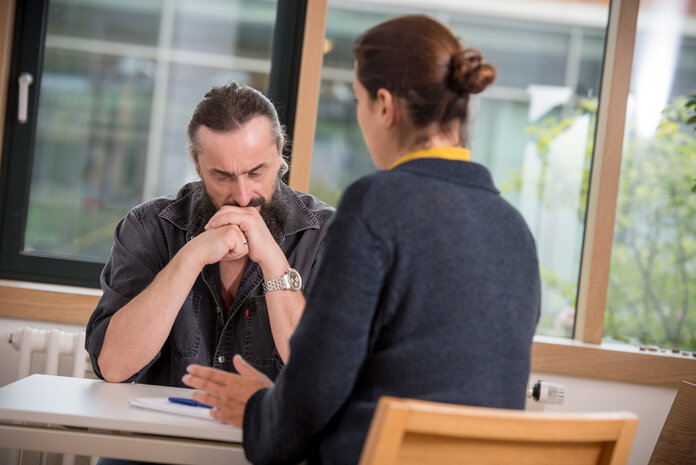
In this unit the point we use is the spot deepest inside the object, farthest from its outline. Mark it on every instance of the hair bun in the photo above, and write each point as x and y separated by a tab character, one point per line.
469	74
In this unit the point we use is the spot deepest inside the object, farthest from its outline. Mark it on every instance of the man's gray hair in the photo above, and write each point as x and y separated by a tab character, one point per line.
229	107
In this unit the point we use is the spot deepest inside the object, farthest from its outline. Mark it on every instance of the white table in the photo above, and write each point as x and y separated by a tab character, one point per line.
91	417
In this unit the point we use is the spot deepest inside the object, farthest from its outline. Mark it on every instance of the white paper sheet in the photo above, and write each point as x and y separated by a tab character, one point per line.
163	404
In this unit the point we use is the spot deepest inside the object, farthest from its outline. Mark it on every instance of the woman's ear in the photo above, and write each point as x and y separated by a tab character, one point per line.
388	108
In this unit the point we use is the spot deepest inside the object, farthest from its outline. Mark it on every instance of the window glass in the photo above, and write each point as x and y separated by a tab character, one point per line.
125	22
214	26
652	291
119	83
533	128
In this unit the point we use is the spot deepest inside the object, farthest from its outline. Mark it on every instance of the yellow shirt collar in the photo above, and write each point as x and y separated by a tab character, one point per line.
446	153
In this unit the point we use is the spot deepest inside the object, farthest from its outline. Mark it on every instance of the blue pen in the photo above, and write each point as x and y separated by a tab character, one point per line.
187	401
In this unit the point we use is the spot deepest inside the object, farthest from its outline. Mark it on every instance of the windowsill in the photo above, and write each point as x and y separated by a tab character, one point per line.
47	302
617	362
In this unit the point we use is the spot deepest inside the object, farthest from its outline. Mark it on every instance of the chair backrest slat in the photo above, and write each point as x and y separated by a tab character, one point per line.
406	431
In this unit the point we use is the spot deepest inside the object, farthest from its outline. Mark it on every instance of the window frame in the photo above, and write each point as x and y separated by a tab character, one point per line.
605	171
15	175
590	357
598	236
28	42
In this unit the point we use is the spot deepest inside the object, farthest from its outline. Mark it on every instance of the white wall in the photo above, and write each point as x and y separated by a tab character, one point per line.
650	403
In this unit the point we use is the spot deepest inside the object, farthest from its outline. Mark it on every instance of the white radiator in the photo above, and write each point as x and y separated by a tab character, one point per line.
54	343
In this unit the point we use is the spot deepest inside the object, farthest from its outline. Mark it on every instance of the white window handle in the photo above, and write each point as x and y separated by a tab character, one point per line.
25	80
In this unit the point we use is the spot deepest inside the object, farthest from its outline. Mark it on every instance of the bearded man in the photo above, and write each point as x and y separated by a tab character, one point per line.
220	268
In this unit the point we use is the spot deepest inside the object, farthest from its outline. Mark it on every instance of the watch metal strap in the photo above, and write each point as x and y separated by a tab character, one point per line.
276	284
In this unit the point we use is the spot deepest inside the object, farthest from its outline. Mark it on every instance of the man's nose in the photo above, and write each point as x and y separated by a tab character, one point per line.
242	194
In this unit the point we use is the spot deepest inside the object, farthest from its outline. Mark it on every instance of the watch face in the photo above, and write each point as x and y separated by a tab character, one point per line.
295	279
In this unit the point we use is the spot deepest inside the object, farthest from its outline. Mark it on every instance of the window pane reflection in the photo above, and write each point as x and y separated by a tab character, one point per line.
533	128
652	292
120	81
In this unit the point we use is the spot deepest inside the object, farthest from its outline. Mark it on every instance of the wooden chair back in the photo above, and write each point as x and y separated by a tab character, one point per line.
405	431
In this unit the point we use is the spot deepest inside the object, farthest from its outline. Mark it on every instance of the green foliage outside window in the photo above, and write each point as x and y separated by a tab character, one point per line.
652	293
691	107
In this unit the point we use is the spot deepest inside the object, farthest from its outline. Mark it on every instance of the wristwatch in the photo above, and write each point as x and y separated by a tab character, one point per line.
290	280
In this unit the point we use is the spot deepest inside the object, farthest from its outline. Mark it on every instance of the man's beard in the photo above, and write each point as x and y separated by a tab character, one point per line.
273	212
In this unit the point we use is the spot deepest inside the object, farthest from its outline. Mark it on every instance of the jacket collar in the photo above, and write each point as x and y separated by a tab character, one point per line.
462	172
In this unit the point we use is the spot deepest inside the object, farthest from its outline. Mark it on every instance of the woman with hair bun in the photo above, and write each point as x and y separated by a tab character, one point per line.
429	287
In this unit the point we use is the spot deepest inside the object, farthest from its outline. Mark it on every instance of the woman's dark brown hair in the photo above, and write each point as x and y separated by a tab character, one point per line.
418	59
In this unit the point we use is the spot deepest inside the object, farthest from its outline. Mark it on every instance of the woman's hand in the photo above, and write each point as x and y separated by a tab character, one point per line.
228	393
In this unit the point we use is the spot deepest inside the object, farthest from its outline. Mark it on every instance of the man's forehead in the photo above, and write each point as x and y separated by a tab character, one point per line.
245	147
258	128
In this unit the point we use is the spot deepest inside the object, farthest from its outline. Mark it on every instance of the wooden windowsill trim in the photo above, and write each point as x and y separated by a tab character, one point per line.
611	362
549	355
61	304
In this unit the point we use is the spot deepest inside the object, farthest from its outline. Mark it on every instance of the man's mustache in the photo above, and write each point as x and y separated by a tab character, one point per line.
255	202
